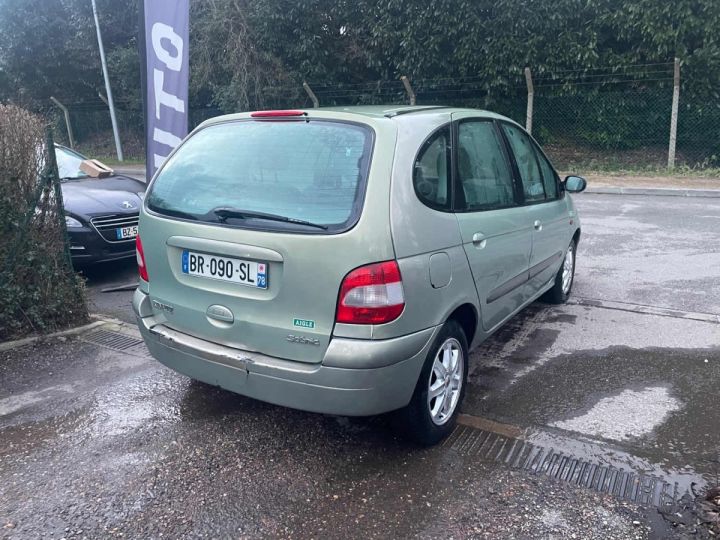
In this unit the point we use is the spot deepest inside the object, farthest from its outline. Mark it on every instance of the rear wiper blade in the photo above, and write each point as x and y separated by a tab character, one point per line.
224	212
174	213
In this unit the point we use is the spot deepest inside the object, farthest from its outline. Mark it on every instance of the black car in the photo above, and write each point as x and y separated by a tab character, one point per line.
101	213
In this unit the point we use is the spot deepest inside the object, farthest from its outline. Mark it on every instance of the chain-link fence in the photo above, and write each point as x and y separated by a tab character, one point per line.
39	292
624	121
599	119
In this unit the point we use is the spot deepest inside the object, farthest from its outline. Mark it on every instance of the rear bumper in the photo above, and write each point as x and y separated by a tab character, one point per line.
378	375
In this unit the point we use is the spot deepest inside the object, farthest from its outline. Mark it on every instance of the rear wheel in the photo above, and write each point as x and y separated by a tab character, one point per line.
431	414
564	279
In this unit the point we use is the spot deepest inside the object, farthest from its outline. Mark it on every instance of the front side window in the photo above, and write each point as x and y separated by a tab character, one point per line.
431	173
549	175
484	176
527	163
313	171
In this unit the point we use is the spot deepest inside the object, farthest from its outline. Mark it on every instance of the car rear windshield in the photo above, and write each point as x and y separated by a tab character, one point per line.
236	172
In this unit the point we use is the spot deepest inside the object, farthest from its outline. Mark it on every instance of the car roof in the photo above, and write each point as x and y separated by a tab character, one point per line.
374	112
392	111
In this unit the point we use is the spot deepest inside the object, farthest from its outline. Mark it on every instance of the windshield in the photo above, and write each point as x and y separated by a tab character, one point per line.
68	163
314	171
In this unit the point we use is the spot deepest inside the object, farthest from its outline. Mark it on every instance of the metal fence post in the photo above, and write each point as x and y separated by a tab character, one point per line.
313	97
674	115
408	89
53	185
67	121
530	99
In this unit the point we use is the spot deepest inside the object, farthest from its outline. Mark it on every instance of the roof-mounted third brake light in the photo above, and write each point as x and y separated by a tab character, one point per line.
277	114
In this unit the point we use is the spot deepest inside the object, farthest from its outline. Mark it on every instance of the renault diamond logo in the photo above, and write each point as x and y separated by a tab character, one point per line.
127	205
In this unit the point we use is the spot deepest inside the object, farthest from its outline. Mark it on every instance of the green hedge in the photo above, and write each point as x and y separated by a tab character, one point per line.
39	292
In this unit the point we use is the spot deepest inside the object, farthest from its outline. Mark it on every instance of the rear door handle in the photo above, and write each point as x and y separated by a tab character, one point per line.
479	240
538	225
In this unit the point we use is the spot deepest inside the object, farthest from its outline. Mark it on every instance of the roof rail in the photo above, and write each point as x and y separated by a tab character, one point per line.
408	110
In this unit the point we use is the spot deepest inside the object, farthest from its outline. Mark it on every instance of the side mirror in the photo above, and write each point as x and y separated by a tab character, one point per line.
574	184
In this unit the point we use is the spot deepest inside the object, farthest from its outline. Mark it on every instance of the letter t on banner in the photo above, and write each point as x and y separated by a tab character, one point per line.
165	76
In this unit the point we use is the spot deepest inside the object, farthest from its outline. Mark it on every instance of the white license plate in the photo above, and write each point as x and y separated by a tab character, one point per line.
123	233
250	273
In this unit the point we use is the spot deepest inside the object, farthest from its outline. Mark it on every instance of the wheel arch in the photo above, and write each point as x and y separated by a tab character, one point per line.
576	236
468	317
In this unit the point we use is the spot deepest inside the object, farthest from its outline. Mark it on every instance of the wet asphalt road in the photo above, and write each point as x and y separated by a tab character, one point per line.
111	275
98	443
659	251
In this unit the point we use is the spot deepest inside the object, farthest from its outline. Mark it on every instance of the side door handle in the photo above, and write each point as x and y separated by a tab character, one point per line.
479	240
538	225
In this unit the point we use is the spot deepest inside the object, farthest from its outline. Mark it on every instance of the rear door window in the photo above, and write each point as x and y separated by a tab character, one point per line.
527	163
484	175
313	171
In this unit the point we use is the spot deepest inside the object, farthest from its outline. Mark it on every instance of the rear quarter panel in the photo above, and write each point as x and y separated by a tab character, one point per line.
418	232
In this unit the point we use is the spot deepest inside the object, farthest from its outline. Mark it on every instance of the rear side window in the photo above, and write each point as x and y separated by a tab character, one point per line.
484	175
527	163
431	174
313	171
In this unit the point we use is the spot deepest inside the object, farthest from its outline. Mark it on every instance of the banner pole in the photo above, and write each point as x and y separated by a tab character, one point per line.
111	103
143	85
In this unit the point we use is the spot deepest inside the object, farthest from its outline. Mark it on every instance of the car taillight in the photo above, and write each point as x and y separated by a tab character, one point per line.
371	294
140	255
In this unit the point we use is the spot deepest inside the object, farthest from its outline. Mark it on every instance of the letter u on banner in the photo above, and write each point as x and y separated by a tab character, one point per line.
166	77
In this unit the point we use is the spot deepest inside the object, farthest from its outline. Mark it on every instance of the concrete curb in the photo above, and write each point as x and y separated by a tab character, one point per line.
100	321
645	309
658	192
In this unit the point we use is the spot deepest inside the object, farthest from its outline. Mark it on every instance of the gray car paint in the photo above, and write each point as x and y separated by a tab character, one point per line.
380	368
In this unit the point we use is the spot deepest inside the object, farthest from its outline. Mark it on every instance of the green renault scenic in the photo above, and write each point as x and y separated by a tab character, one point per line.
345	260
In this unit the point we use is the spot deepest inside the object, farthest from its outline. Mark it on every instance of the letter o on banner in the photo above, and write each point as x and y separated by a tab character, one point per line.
162	31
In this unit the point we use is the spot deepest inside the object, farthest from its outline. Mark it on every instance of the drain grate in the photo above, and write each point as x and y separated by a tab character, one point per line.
519	454
112	340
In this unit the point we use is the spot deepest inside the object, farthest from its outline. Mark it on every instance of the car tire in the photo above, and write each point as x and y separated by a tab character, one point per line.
428	421
561	289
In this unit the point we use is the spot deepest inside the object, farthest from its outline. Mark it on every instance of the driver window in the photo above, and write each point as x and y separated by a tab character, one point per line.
432	171
527	163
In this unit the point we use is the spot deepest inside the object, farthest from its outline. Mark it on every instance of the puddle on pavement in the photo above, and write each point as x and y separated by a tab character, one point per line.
684	479
615	376
20	438
600	467
141	401
19	401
